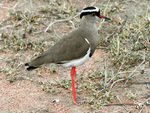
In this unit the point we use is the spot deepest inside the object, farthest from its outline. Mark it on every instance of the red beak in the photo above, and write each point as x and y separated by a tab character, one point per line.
101	16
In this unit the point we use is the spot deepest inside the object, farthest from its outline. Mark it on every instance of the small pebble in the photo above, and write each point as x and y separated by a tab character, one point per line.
56	100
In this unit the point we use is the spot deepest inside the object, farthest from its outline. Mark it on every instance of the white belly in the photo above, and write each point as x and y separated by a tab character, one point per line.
77	62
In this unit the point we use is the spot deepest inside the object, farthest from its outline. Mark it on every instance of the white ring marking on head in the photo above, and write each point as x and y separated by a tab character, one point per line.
90	10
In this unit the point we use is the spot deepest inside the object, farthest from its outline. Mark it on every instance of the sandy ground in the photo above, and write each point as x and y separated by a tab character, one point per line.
26	95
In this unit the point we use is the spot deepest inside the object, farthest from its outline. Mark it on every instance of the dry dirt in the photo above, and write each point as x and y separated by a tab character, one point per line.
27	96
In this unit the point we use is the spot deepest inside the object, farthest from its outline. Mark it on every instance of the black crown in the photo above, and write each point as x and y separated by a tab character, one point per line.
90	10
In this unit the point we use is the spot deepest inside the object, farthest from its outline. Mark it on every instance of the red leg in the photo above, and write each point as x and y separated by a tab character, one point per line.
73	85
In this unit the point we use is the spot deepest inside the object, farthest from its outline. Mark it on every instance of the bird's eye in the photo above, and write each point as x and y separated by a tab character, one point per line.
93	14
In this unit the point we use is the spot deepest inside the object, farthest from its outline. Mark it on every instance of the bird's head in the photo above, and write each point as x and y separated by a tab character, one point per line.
93	11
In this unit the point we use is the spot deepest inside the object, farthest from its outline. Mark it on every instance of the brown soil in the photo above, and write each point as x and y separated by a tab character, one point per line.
26	95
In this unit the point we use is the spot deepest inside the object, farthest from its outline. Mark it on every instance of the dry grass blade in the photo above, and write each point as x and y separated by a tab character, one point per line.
106	73
9	26
63	20
122	103
115	82
127	104
55	22
31	4
123	24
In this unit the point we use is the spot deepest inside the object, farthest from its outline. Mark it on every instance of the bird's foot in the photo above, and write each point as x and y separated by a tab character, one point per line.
76	103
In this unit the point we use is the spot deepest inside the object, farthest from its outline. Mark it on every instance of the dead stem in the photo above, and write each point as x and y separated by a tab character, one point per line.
122	103
63	20
123	24
119	104
115	82
9	26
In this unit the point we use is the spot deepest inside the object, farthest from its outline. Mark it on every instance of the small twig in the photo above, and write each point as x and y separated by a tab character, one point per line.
3	21
122	103
116	73
72	24
106	74
139	82
119	104
82	72
123	24
111	79
15	5
8	26
111	35
145	70
135	75
56	34
8	7
60	21
141	110
76	15
19	65
102	48
116	82
4	7
31	4
4	67
54	23
20	21
136	68
122	72
38	32
120	66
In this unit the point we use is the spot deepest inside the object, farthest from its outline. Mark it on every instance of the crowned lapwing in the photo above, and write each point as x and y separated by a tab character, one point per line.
74	48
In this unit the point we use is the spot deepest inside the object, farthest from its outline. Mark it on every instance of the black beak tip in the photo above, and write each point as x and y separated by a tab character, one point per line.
104	17
107	18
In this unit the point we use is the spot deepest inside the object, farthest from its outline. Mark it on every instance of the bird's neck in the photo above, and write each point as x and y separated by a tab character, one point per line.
89	29
88	23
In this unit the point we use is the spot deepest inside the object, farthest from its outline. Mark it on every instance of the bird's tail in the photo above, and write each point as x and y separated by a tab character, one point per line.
35	63
29	68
